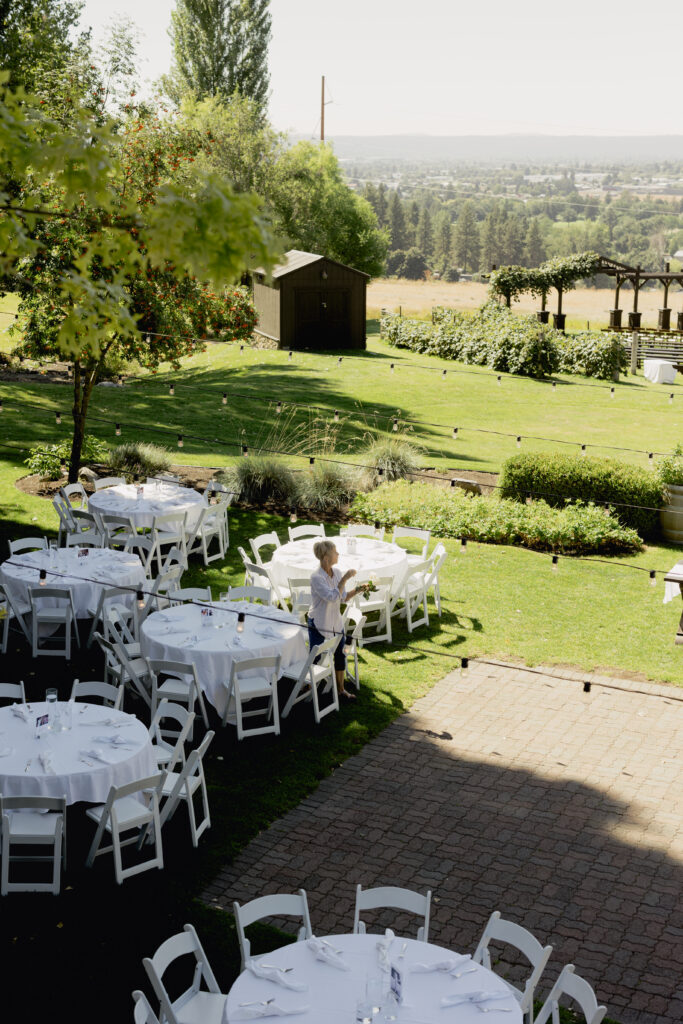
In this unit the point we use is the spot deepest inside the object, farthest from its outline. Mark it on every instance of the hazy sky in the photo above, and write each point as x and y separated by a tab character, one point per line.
444	67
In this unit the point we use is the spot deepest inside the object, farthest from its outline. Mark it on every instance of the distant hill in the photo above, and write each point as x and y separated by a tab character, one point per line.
564	149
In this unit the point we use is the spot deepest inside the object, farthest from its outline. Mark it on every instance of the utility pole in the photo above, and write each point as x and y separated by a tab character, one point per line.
322	111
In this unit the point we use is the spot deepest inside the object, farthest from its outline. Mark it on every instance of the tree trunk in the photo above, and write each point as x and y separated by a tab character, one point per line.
84	381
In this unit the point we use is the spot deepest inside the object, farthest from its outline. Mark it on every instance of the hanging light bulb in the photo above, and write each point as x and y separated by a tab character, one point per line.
148	339
240	622
241	348
278	408
555	563
378	526
443	375
58	419
394	426
311	461
0	404
586	686
42	581
118	430
499	380
380	471
653	578
455	433
391	367
245	450
611	392
180	440
62	465
292	516
519	441
224	399
171	389
464	666
463	545
453	483
290	355
529	499
583	449
339	361
336	415
554	385
119	380
651	459
671	398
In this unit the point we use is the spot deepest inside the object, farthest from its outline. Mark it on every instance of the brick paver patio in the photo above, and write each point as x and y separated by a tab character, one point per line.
514	791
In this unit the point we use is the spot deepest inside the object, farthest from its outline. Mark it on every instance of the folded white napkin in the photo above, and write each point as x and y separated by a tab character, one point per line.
276	974
20	711
95	755
266	631
46	762
6	751
326	953
446	966
267	1010
383	945
474	997
114	741
236	641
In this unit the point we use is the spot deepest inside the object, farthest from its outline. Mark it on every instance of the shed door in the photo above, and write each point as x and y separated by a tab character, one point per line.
322	317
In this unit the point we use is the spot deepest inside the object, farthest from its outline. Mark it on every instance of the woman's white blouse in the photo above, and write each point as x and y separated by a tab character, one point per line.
326	599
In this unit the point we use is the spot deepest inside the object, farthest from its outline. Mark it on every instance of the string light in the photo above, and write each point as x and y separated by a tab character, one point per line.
611	392
554	385
140	598
119	380
292	516
529	499
555	563
519	441
278	408
653	578
290	354
148	339
463	545
443	375
171	389
58	419
339	361
455	433
245	450
0	404
395	425
311	461
378	526
118	430
499	380
241	348
391	367
651	459
62	465
336	415
464	666
586	686
380	471
453	483
42	581
225	398
671	398
240	622
180	440
583	449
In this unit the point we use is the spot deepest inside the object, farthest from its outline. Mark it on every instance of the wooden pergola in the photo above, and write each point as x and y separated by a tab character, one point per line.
637	277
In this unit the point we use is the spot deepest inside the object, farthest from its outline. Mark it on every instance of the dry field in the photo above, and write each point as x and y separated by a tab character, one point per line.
582	304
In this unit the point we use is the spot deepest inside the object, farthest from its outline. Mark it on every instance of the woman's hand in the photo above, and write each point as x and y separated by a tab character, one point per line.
348	575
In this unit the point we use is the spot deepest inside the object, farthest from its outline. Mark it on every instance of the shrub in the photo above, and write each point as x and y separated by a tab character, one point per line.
593	354
670	468
327	487
46	458
261	478
562	478
571	530
137	459
396	456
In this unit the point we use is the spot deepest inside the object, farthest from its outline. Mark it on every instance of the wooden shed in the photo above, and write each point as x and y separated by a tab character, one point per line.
311	302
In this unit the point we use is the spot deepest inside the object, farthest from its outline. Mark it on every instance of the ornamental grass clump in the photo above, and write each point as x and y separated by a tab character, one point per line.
396	457
327	487
139	459
257	479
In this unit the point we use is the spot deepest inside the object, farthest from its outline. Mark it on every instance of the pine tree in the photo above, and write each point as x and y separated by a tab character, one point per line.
466	244
424	239
513	241
535	250
442	237
397	223
489	243
220	47
381	208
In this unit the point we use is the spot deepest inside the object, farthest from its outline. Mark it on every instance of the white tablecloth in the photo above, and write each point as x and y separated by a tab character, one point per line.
659	371
332	994
157	500
168	636
85	576
672	587
72	776
297	561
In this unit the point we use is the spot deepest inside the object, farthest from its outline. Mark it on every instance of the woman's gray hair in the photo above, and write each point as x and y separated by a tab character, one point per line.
322	548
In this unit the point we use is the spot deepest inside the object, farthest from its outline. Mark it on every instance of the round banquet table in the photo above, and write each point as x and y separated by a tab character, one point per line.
372	557
77	772
332	994
84	575
212	643
157	499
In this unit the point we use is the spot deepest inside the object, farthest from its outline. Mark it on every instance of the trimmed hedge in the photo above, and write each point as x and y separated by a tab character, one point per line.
594	354
573	530
561	478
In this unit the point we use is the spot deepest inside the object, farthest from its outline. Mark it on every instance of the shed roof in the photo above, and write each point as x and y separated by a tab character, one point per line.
295	259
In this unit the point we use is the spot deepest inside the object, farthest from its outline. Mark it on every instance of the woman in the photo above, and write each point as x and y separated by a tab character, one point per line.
324	617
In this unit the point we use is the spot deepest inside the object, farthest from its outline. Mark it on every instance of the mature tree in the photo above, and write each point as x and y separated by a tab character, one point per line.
424	237
381	207
35	35
414	265
315	210
513	240
220	47
466	245
103	243
442	237
398	232
534	247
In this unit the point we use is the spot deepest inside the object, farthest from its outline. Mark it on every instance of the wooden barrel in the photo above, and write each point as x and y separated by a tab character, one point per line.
671	516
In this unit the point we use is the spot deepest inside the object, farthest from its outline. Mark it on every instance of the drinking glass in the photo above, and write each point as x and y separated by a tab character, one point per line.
51	697
363	1012
374	990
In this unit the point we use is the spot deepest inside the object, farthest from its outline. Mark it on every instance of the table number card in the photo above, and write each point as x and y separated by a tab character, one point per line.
396	984
83	552
139	491
42	725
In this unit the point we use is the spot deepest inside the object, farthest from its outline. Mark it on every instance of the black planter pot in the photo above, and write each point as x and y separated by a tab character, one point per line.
559	320
543	315
615	318
664	318
634	321
679	321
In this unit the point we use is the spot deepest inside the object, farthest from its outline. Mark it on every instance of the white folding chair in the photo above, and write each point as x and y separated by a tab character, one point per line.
110	599
23	823
190	594
311	679
13	692
66	523
253	679
264	540
281	595
109	481
276	905
144	548
411	533
435	560
87	690
60	612
164	478
511	934
134	806
130	671
397	899
382	601
414	594
353	636
117	529
184	785
74	495
362	530
300	595
210	525
307	530
180	685
142	1011
156	595
11	609
86	524
169	745
170	530
27	544
260	595
194	1006
85	540
578	989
